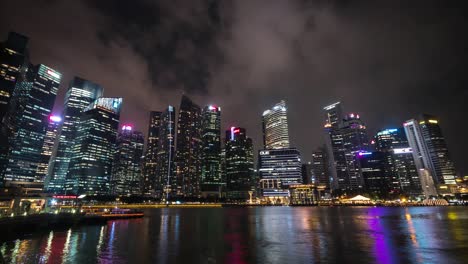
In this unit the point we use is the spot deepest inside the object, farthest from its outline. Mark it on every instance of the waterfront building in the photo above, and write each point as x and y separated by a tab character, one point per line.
80	94
93	150
320	172
166	180
28	120
188	148
275	127
149	180
307	173
280	164
302	194
13	61
429	148
47	148
239	164
372	169
126	168
211	175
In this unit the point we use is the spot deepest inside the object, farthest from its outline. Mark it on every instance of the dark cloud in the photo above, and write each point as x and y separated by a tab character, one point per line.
388	61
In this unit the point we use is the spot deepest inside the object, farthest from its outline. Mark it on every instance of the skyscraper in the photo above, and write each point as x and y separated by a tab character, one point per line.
151	155
93	149
372	169
337	166
48	146
399	164
188	148
275	127
28	119
211	149
320	173
283	165
239	164
13	60
80	94
166	185
126	168
442	166
429	149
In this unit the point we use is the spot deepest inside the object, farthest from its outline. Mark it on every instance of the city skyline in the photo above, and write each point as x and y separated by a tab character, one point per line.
435	88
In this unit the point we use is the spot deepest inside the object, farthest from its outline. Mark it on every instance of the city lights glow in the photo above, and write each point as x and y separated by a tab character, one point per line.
55	118
127	127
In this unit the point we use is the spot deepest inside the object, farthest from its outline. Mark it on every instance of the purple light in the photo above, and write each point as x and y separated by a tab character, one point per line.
232	133
363	153
127	127
55	118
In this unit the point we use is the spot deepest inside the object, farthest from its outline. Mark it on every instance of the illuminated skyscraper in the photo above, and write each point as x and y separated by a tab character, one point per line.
93	149
28	119
319	166
80	94
188	148
48	146
126	169
13	64
337	167
239	164
13	60
283	165
275	127
151	155
429	149
166	185
211	149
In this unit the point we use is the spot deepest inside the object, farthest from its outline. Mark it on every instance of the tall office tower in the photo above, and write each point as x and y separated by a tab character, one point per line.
48	146
307	173
429	149
337	166
355	139
126	168
166	180
13	64
188	148
211	150
320	173
151	155
80	94
371	167
28	116
239	164
13	60
283	165
399	164
93	149
442	165
275	127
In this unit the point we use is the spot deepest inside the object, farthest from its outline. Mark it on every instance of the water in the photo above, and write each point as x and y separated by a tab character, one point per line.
259	235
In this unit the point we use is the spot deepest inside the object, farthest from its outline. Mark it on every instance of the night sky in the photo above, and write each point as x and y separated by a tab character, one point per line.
387	63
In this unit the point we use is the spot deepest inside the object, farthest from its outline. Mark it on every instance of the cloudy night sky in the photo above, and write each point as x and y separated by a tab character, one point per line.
387	61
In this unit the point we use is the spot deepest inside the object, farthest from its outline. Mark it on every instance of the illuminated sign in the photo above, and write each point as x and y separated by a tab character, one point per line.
402	150
214	108
264	152
432	121
387	131
363	153
110	104
234	130
55	118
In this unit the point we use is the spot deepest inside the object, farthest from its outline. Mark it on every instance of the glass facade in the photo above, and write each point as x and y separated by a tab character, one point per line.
28	119
80	94
151	155
188	148
166	185
239	164
93	149
126	169
211	149
275	127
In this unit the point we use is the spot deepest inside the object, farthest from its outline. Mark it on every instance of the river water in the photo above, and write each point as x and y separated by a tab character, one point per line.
259	235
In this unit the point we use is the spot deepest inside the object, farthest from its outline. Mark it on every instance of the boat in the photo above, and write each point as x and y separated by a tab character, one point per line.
112	214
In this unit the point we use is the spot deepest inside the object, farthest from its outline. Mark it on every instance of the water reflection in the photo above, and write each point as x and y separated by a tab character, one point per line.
258	235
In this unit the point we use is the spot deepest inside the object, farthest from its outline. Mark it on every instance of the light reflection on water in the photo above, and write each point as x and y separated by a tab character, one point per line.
259	235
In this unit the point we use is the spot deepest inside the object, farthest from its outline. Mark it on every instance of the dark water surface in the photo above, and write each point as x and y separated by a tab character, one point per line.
259	235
